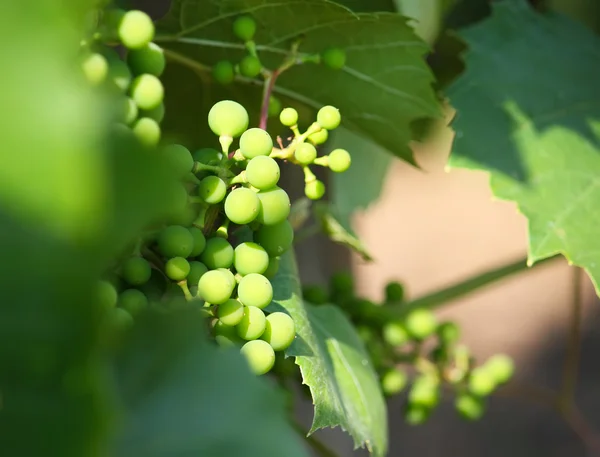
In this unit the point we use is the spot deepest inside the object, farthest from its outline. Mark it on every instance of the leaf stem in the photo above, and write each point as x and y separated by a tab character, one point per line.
317	445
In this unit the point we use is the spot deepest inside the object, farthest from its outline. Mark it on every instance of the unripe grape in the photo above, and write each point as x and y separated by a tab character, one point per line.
136	29
274	206
252	324
305	153
215	287
229	274
147	131
319	137
339	160
226	335
260	356
341	282
425	391
501	368
147	59
250	258
448	332
231	312
280	331
133	301
218	253
250	66
334	58
242	206
228	118
274	106
393	381
415	414
130	111
120	319
180	158
255	290
95	68
288	117
469	407
275	239
136	271
147	91
197	269
395	334
156	114
223	72
273	268
119	73
255	142
314	189
212	189
316	295
262	172
329	117
207	156
244	27
175	241
421	323
199	241
481	382
106	294
177	268
394	292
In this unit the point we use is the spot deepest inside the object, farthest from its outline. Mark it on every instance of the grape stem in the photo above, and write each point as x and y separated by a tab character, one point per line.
186	291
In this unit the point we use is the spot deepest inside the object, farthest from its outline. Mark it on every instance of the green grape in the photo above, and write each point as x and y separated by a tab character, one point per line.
255	142
177	268
179	207
341	281
393	381
250	66
119	73
133	301
275	239
319	137
231	312
366	334
421	323
147	131
334	58
212	189
199	241
395	334
255	290
120	319
250	258
469	407
136	29
95	68
223	72
244	27
339	160
215	287
197	269
274	106
448	333
181	159
226	335
262	172
218	253
106	294
252	324
274	206
316	295
425	391
136	271
305	153
228	118
288	117
130	111
416	414
280	331
147	91
273	268
175	241
242	206
481	382
329	117
394	292
500	367
229	274
314	189
260	356
207	156
156	114
147	59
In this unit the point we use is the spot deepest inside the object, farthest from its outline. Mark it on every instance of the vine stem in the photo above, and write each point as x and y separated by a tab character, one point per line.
268	90
317	445
571	365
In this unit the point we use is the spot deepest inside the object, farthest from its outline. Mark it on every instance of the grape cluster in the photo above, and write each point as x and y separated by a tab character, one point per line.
417	341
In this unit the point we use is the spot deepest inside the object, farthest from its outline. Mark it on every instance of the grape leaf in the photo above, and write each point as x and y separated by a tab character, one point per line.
383	88
527	113
334	365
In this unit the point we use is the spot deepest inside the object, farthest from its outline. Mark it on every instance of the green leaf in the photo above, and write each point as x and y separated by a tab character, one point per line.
526	113
334	365
386	75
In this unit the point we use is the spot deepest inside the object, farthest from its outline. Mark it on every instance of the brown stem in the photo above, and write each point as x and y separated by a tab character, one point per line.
571	365
264	109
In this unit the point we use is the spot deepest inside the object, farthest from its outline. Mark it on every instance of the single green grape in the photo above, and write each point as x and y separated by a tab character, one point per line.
179	204
275	239
95	68
212	189
469	407
329	117
231	312
147	131
215	287
274	206
228	118
106	294
317	295
319	137
133	301
229	274
147	91
273	268
305	153
226	335
393	381
135	29
425	391
250	66
314	189
274	106
481	382
130	111
416	414
147	59
177	268
262	172
199	241
394	292
255	142
119	73
252	324
197	269
260	356
180	158
218	253
207	156
224	72
156	114
175	241
244	27
341	282
334	58
120	319
339	160
501	368
255	290
280	331
421	323
288	117
395	334
250	258
136	271
242	206
448	333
